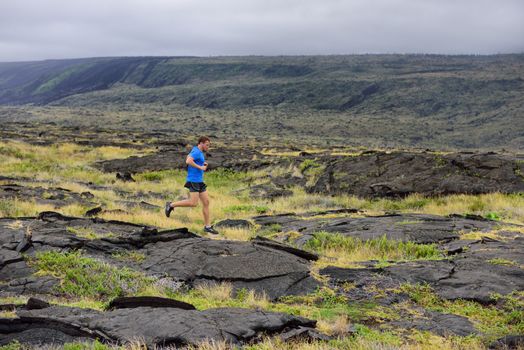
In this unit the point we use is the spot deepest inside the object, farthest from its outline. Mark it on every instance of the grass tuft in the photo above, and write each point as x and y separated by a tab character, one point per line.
347	250
87	277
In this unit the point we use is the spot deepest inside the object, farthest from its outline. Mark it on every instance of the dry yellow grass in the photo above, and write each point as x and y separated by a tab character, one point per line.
273	152
58	162
18	208
347	154
84	303
15	225
337	327
256	300
137	343
8	314
302	201
237	234
13	300
215	291
143	217
339	258
495	234
430	341
509	207
67	153
212	345
73	210
220	201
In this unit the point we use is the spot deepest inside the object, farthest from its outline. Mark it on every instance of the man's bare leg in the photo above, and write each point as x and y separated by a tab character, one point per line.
192	201
204	198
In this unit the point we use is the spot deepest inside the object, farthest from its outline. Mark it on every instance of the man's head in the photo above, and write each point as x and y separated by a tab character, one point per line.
203	143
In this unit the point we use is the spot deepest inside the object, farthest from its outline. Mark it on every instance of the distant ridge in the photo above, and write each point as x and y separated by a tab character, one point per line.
461	93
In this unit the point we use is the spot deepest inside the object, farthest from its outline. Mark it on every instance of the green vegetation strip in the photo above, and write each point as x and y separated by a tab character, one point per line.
379	248
87	277
246	208
503	318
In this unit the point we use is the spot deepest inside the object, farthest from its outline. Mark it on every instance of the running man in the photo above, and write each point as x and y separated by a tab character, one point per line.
196	165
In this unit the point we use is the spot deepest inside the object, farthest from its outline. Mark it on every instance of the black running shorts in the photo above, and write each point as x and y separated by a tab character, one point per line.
196	186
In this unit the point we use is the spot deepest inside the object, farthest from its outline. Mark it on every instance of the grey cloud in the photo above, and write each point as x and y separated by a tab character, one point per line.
38	29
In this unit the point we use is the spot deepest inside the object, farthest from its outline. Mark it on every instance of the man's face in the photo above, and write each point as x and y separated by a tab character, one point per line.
205	146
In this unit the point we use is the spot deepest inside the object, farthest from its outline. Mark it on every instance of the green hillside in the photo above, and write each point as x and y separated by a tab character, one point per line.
426	100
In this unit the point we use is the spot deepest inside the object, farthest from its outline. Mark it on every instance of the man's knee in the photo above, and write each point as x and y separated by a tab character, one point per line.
193	202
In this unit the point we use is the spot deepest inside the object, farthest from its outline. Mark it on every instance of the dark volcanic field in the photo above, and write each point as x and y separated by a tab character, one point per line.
319	247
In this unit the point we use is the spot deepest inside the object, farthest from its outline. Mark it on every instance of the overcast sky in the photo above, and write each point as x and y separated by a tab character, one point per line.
40	29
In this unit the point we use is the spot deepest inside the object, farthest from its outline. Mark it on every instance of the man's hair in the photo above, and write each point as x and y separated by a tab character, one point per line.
203	139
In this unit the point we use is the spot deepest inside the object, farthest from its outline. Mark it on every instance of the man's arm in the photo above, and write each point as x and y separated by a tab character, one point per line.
191	162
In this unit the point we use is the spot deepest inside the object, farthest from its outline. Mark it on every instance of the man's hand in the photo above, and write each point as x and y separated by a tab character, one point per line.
204	167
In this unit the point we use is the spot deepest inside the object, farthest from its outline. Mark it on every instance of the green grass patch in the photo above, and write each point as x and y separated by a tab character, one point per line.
493	216
16	153
324	304
88	233
159	175
7	209
379	248
87	277
153	176
14	345
270	230
312	170
224	178
246	208
408	222
364	338
327	304
494	321
308	164
96	345
504	262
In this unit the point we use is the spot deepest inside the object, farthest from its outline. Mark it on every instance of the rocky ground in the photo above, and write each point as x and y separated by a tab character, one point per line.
329	274
365	174
156	322
372	175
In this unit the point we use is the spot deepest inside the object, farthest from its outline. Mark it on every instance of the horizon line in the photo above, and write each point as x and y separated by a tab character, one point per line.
268	56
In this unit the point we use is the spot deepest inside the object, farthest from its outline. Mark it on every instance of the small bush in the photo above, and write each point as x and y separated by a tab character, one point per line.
492	216
307	164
